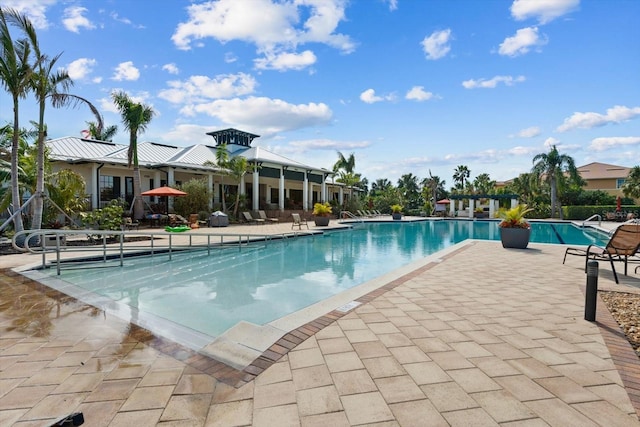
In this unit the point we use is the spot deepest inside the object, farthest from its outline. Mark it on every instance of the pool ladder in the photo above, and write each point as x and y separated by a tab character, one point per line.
591	218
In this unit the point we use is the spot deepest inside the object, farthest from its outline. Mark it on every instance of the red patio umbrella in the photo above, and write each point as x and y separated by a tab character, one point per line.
443	202
618	204
164	192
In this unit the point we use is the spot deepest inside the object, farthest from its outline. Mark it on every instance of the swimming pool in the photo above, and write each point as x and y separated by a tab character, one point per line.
210	293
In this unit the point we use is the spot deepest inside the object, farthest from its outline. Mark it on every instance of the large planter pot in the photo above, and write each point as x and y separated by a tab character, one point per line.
517	238
396	216
322	221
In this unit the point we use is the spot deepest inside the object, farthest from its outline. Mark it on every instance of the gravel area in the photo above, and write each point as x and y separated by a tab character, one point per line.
625	308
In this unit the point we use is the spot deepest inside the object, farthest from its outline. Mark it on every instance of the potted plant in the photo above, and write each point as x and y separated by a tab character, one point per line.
322	214
396	212
514	228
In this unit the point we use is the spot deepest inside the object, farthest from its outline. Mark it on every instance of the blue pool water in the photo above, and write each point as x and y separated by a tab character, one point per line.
211	293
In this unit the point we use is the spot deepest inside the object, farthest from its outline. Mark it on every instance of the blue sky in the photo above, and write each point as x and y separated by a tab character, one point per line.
408	86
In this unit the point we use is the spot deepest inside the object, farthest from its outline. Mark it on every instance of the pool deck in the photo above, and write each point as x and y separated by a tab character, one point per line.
475	335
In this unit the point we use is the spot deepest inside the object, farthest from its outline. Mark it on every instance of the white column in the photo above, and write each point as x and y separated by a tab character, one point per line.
324	190
305	193
514	203
170	183
452	208
281	191
95	189
212	190
241	187
256	188
471	207
341	196
492	207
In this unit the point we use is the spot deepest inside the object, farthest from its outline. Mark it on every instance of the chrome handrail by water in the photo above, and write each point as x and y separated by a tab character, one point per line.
592	217
55	243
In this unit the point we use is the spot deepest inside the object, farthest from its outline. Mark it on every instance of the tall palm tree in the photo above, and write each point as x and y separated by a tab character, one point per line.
484	184
96	129
408	185
15	77
345	167
435	185
552	167
238	167
135	118
460	174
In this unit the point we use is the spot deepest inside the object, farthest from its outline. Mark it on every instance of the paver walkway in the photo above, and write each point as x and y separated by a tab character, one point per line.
487	336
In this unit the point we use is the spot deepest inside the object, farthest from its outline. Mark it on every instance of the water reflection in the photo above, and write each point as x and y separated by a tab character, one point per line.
210	293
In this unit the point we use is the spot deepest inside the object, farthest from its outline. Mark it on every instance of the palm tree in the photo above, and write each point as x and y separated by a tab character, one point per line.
15	77
238	167
345	167
379	186
552	167
484	184
460	174
99	134
435	184
135	118
631	186
408	185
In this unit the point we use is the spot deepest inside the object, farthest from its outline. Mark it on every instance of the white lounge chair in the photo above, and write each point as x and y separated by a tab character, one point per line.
298	222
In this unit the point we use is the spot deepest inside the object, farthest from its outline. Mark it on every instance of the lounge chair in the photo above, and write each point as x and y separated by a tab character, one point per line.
298	222
176	220
623	246
252	220
264	216
361	213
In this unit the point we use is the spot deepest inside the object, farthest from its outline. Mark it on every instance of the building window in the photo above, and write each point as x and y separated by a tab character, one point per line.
275	195
109	187
620	182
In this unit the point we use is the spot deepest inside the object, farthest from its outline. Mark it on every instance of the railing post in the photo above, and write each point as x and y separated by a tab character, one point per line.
591	296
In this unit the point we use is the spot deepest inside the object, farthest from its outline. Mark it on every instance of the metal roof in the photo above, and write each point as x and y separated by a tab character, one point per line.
151	154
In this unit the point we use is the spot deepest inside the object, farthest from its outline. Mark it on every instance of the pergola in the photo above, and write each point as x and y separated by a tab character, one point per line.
493	199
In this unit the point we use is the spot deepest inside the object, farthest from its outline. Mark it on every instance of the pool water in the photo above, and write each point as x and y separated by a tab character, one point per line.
211	293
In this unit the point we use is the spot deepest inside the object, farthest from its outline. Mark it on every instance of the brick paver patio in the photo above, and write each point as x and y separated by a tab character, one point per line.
485	336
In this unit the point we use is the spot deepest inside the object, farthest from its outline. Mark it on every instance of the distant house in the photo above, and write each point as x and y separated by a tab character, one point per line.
276	183
604	177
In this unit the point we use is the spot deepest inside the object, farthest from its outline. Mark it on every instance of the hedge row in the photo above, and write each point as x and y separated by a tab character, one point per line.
584	212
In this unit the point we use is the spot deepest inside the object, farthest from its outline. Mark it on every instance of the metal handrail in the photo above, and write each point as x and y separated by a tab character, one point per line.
351	215
53	242
592	217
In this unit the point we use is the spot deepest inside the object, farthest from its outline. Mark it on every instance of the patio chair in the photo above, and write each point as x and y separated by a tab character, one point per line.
264	216
252	220
623	246
298	221
176	220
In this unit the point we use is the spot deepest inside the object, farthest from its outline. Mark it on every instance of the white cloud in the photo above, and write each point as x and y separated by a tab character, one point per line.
73	19
550	142
417	93
521	42
522	151
611	142
492	83
617	114
202	88
286	28
106	104
188	134
286	61
529	132
35	10
328	144
393	4
126	71
229	58
437	44
262	115
544	10
81	68
171	68
369	96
